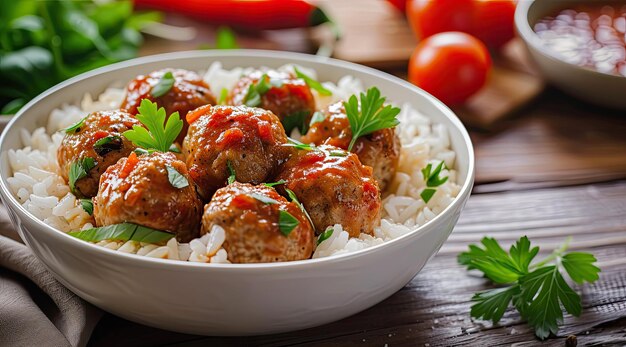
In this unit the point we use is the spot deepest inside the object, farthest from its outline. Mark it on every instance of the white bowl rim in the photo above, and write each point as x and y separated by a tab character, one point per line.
530	37
221	54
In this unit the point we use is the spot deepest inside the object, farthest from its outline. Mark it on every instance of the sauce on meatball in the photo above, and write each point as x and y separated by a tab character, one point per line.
138	190
245	139
188	92
251	218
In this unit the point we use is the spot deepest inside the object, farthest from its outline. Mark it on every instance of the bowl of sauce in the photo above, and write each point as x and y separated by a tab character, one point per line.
579	46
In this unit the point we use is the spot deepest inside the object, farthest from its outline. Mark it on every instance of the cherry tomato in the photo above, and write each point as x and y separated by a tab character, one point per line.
493	21
429	17
489	20
452	66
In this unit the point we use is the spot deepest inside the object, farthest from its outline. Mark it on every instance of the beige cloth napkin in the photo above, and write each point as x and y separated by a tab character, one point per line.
35	309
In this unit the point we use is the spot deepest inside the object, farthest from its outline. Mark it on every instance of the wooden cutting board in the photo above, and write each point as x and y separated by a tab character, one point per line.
374	33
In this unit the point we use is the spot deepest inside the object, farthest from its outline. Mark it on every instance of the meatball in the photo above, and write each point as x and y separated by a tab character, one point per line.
335	188
99	137
251	218
188	92
250	141
138	190
288	97
380	149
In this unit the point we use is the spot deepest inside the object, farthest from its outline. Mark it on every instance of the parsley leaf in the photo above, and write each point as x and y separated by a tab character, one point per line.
256	90
232	177
123	232
177	180
538	291
369	115
286	222
87	205
313	84
432	180
80	169
427	194
275	183
163	85
76	126
159	135
325	235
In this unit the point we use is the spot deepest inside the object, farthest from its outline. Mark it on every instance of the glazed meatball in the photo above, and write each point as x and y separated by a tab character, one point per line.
380	149
251	218
138	190
99	137
188	92
249	140
335	188
288	97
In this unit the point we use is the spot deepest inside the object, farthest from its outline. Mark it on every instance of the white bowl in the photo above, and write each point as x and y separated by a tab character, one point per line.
234	299
584	83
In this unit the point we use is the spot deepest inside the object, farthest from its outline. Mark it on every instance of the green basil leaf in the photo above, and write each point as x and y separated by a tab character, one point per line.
286	222
123	232
427	194
296	120
164	85
252	97
80	169
87	205
177	180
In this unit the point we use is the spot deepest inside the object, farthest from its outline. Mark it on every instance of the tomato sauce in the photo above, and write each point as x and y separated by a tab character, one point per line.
589	35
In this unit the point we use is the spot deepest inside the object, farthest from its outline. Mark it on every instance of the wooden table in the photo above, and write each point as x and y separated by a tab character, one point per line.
556	168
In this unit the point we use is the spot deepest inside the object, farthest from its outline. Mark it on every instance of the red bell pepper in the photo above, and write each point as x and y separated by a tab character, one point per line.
248	14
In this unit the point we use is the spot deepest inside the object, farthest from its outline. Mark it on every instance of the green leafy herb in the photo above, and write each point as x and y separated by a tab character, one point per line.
225	38
313	84
299	145
318	116
432	180
46	42
80	169
262	198
338	154
286	222
369	115
87	205
294	199
232	177
296	120
163	85
76	127
141	151
325	235
223	96
124	232
107	144
159	135
537	290
174	148
273	184
256	90
177	180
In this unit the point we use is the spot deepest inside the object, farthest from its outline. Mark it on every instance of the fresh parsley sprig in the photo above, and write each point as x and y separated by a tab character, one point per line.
369	114
538	291
159	135
74	128
258	89
432	180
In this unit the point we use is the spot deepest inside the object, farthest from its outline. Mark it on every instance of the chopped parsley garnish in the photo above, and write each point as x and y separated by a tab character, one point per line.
232	177
325	235
432	180
286	222
273	184
318	116
538	291
299	145
76	126
370	116
87	205
80	169
296	120
262	198
163	85
313	84
177	180
223	96
123	232
258	89
159	135
107	144
294	199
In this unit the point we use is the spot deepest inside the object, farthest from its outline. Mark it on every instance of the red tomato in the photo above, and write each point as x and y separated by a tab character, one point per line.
489	20
451	66
399	4
493	21
429	17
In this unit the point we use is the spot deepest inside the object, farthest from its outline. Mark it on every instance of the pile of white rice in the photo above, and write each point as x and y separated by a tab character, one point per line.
36	182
